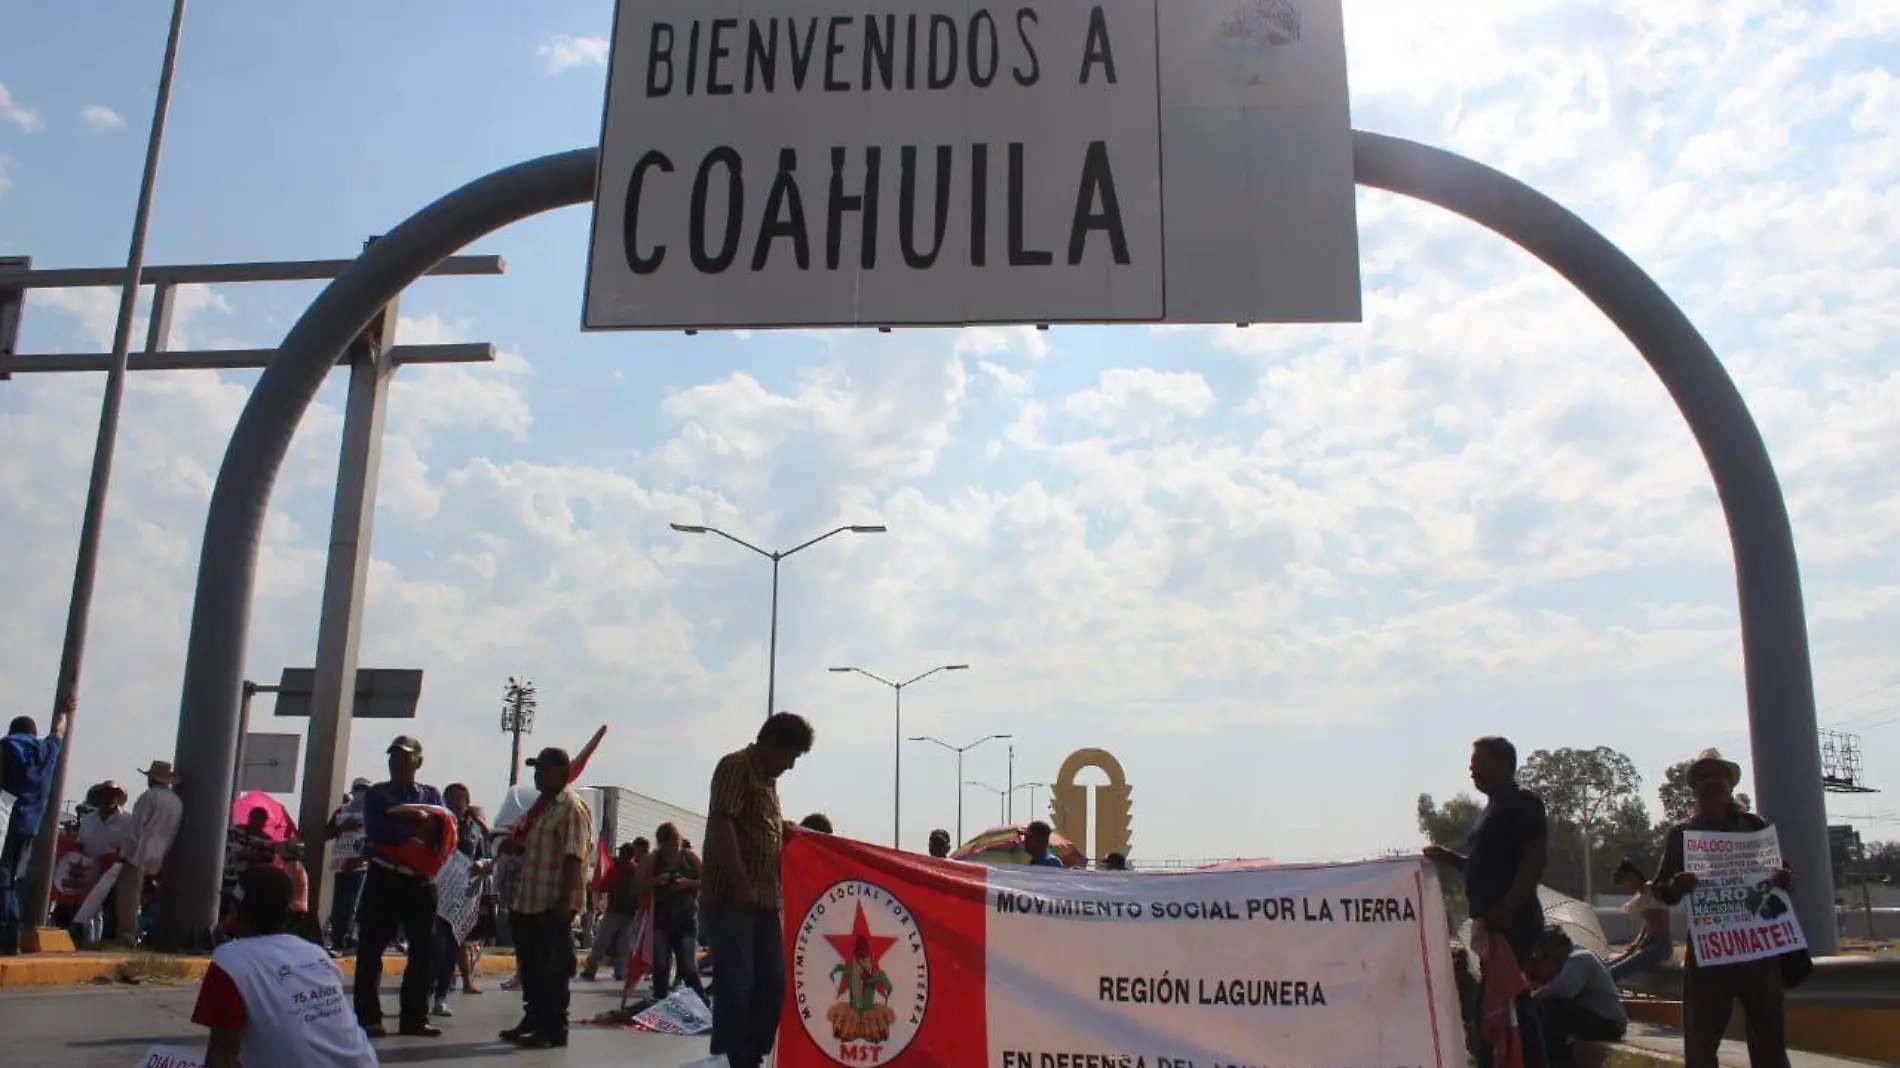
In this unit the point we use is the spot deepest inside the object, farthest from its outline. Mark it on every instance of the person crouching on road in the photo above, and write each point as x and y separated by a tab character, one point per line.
548	893
395	896
272	999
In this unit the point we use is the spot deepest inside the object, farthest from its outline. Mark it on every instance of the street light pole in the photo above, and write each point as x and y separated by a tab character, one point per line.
1002	797
771	668
897	745
959	750
1031	787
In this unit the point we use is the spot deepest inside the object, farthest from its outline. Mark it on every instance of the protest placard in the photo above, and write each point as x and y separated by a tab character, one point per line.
456	899
1735	912
172	1057
348	847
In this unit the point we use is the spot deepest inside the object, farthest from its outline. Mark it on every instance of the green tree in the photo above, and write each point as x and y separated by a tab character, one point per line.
1676	797
1582	789
1448	824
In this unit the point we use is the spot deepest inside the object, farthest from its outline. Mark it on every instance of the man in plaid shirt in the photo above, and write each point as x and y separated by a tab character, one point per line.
745	832
546	896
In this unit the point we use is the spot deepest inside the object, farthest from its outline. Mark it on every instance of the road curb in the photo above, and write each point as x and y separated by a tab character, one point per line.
79	969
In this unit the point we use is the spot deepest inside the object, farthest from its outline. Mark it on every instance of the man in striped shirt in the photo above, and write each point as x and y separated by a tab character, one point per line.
548	893
744	834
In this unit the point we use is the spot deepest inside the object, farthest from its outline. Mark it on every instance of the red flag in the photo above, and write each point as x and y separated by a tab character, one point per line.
577	765
640	956
884	953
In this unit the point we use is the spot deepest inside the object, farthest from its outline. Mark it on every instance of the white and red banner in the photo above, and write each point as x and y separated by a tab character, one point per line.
893	958
1735	912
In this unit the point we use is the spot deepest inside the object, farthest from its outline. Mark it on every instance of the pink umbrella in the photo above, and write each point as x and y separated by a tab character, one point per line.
278	826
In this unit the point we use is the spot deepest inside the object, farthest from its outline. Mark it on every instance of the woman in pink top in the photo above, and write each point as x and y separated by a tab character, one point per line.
1653	943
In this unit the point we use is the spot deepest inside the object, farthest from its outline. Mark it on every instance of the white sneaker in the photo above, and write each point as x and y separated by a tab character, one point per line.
441	1008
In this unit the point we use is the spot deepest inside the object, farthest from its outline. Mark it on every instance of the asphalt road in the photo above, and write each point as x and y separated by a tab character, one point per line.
111	1027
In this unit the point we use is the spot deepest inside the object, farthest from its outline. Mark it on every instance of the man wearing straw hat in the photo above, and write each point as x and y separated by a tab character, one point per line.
1709	992
155	822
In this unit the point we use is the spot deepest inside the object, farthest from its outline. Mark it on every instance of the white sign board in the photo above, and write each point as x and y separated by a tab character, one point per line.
1735	914
810	163
6	814
270	763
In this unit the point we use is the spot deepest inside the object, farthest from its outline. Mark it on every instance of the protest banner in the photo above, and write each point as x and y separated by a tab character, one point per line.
172	1057
1735	913
6	813
456	899
891	955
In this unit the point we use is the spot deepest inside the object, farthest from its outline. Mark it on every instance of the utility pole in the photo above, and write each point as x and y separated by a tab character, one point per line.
517	719
36	889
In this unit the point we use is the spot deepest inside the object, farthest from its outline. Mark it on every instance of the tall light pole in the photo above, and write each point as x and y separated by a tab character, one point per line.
897	755
36	891
1002	796
517	718
959	750
1031	787
771	669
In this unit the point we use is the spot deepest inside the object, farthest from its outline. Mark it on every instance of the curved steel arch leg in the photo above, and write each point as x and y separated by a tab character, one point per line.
1779	676
227	563
1774	630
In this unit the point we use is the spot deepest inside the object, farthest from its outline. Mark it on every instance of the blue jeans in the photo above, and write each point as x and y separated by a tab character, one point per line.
676	948
347	887
749	984
1653	953
448	954
12	855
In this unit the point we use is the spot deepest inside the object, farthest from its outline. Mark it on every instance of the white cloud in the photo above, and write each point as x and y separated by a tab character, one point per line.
1235	558
21	116
98	118
563	52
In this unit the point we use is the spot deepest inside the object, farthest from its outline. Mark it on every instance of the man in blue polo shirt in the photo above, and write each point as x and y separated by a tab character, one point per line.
395	896
1508	851
27	762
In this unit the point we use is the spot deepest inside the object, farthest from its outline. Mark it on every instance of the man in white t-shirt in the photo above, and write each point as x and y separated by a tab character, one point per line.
274	1000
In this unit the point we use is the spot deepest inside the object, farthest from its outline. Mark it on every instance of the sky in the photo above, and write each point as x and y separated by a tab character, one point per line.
1284	574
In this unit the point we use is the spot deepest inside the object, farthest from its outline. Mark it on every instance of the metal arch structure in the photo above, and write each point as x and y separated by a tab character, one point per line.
1777	670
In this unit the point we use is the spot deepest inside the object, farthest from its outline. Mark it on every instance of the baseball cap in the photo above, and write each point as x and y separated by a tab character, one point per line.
360	783
406	744
552	755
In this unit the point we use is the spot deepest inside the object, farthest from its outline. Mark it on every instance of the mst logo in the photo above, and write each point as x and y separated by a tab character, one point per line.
860	976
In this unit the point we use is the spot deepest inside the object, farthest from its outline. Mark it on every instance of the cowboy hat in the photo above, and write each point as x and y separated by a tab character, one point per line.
161	771
1714	756
110	786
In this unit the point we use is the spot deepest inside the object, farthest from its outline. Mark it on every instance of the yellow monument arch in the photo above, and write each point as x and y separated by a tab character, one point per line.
1068	803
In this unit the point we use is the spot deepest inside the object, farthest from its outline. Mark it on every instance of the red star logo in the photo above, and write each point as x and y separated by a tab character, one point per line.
845	945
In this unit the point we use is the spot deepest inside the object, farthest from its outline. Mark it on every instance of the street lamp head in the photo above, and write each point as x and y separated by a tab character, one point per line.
844	669
684	528
956	667
1002	736
878	529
